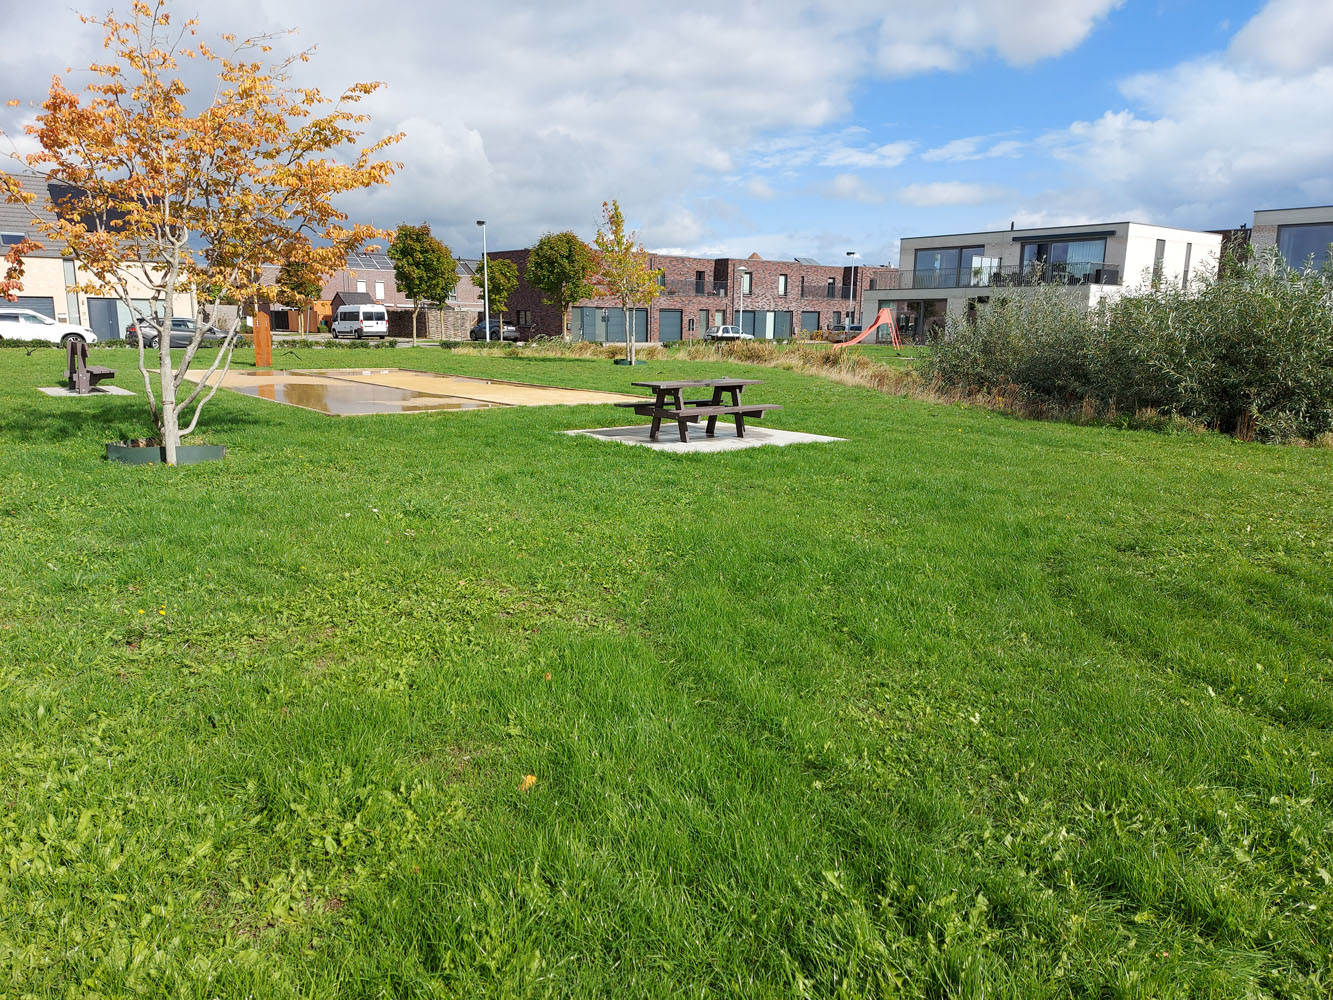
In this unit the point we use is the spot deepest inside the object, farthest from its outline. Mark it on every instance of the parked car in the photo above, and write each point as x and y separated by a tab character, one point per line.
499	331
726	333
846	331
24	324
359	321
182	333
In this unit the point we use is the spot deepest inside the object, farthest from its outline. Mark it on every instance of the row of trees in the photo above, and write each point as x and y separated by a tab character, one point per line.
565	269
561	266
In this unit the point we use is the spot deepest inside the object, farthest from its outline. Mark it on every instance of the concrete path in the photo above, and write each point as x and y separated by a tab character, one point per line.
725	440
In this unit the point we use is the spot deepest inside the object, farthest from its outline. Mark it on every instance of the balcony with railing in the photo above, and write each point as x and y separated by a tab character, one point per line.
1012	275
813	291
694	286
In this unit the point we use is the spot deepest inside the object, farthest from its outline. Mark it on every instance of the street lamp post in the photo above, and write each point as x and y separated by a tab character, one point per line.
486	282
740	294
851	289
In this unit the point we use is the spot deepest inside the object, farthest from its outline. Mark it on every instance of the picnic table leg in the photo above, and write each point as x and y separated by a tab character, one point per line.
736	401
717	401
659	400
682	423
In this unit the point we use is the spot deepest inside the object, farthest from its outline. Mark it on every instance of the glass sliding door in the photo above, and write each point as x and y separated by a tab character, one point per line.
1064	261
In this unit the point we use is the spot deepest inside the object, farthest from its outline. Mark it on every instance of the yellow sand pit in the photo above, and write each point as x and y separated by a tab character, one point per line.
357	391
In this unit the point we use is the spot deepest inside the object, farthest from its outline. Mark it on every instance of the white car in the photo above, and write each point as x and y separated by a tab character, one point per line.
726	333
24	324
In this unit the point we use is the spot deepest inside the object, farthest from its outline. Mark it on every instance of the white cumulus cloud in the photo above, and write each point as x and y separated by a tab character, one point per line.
933	193
1208	141
946	36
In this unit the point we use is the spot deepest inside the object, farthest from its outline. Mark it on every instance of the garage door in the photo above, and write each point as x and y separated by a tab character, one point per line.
38	304
809	321
668	324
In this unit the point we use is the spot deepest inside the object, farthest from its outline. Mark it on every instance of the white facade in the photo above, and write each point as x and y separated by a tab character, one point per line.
941	276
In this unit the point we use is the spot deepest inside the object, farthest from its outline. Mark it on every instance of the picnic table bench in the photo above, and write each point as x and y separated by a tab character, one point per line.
669	404
83	376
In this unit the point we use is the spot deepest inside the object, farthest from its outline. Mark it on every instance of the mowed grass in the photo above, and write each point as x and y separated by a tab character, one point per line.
962	707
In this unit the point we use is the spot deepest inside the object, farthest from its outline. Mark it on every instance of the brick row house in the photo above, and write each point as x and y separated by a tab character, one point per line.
770	299
369	274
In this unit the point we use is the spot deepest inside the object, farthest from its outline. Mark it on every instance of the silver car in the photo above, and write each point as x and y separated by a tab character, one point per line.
182	333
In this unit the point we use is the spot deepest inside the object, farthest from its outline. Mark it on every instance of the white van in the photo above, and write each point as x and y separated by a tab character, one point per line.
361	321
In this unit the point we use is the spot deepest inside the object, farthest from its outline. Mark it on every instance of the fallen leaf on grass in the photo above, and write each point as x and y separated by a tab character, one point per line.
528	781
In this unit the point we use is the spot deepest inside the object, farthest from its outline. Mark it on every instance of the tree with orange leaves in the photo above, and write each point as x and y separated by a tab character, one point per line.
621	268
183	197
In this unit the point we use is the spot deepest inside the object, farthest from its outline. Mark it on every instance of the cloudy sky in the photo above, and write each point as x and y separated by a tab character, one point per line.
798	128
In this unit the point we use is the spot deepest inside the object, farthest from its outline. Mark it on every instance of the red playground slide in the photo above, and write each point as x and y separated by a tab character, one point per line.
883	318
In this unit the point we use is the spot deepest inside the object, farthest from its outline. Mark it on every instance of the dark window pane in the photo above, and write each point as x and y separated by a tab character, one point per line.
1298	243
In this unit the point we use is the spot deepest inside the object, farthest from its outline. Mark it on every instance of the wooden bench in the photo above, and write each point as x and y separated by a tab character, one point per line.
82	376
687	411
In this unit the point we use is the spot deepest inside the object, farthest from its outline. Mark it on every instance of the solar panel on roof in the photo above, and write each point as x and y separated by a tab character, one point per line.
369	261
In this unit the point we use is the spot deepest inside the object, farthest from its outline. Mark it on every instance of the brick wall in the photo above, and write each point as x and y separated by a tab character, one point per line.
432	324
719	276
1263	236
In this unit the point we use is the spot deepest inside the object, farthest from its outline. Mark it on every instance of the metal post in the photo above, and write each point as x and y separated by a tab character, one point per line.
740	294
486	283
851	290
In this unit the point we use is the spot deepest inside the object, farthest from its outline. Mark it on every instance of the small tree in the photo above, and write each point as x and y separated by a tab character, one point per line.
168	198
423	268
297	286
622	268
500	276
560	267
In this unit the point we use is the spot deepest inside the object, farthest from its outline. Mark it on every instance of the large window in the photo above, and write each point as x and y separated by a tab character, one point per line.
1065	260
946	267
1298	244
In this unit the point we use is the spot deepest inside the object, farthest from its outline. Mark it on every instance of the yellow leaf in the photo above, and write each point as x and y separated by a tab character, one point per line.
528	781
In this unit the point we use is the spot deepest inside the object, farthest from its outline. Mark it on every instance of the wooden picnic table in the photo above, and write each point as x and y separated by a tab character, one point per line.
669	403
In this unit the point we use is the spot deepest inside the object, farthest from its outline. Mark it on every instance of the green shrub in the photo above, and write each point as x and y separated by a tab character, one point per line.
1250	353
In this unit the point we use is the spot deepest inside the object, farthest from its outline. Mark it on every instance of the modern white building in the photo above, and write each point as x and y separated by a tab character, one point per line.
1300	234
941	276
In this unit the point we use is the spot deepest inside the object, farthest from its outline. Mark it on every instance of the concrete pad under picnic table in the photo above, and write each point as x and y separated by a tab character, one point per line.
724	440
97	390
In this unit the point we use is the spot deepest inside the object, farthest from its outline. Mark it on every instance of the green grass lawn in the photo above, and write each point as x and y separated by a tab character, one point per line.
962	707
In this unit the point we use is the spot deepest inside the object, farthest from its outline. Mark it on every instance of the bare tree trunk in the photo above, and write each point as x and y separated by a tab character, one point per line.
414	321
170	427
629	335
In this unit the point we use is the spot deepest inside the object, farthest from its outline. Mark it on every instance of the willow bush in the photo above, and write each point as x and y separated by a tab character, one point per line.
1250	353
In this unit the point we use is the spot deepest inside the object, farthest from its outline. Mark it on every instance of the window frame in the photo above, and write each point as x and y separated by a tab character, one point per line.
1289	227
